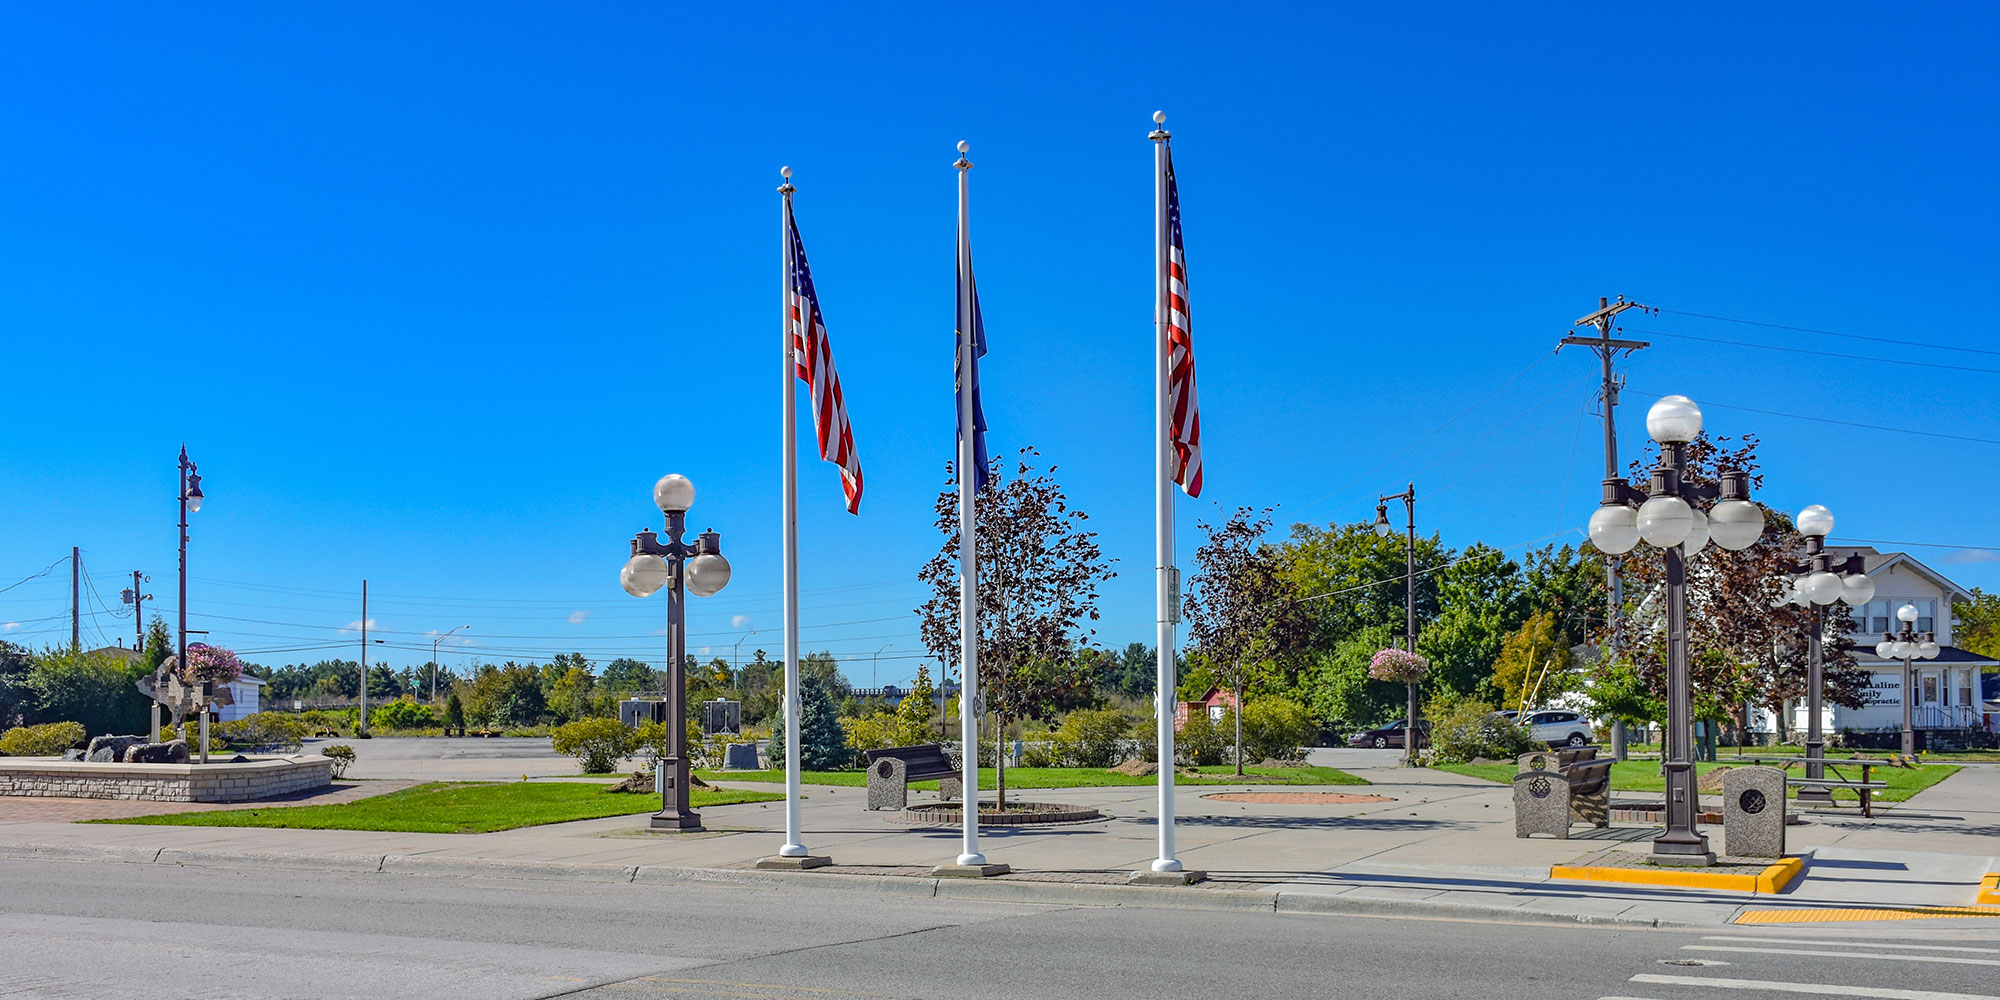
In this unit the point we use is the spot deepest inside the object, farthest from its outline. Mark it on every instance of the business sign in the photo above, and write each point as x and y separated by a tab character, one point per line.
1886	688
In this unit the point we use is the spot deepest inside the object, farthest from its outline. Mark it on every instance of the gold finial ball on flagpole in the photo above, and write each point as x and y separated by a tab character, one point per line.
964	147
785	172
1159	118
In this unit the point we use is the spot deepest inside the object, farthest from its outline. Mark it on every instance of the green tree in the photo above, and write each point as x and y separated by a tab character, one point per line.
569	696
1238	609
383	684
1348	579
70	685
509	695
822	743
625	675
159	644
16	698
1479	603
454	711
1978	628
1535	664
1338	686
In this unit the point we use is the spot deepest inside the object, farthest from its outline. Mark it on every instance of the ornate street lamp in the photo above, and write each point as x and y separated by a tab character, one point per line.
1383	529
697	569
191	498
1819	582
1907	644
1666	520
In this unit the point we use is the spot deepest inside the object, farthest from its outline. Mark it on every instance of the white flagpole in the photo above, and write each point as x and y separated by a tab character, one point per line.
968	567
794	839
1163	504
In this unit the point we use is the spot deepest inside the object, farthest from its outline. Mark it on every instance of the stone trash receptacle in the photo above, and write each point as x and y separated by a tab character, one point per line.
1541	804
1753	812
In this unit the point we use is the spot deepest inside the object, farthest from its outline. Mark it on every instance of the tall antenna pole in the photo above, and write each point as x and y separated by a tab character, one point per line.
1606	347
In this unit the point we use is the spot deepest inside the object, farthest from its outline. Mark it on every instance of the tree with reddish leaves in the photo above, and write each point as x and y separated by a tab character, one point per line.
1238	607
1745	643
1039	572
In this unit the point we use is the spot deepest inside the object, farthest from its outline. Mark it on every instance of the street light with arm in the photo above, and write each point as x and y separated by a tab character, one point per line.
434	660
191	498
1383	528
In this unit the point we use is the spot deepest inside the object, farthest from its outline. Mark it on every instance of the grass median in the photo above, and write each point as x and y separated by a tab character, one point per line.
1024	778
1644	776
455	807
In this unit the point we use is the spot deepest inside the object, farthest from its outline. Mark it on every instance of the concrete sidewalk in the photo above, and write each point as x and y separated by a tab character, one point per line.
1442	843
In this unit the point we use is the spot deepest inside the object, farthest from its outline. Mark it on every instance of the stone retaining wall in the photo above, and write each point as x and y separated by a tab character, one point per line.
213	782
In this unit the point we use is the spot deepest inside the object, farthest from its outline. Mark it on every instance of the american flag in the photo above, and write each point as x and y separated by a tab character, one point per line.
1186	430
813	356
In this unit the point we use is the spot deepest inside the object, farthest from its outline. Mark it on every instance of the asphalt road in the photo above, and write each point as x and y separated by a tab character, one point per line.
98	929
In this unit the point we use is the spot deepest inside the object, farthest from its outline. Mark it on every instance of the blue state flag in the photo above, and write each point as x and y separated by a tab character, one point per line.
965	284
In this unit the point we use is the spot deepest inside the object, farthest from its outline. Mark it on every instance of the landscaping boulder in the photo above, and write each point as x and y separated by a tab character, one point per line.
72	755
170	752
112	747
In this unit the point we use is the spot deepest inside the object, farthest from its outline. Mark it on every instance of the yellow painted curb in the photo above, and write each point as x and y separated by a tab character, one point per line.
1989	890
1770	880
1864	913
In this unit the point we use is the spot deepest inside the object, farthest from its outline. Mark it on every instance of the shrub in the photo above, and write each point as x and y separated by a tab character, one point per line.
342	756
1276	729
47	740
822	742
597	744
454	712
403	713
264	732
1089	738
1466	728
1203	742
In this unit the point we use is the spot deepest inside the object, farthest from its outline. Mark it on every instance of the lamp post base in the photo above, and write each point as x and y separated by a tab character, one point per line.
683	822
1682	848
794	864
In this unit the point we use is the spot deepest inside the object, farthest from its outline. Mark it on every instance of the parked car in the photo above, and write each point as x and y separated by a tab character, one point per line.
1559	726
1391	735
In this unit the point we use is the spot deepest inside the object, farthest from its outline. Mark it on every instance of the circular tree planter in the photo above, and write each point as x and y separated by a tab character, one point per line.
1017	814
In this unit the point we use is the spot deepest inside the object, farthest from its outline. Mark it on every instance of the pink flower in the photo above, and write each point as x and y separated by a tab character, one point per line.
1399	665
212	664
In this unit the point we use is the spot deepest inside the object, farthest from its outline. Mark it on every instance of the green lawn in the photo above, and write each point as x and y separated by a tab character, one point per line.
454	807
1644	776
1069	777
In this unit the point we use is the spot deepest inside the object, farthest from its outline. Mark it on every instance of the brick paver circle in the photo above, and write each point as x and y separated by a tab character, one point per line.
1298	798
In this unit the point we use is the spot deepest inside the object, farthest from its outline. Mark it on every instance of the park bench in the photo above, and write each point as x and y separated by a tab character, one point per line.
1550	800
1864	788
890	771
1570	755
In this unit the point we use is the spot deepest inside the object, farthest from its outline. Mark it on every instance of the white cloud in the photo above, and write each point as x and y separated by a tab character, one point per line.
355	626
1972	556
10	626
577	617
742	621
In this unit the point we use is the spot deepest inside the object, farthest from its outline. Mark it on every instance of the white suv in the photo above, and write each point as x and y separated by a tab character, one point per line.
1558	726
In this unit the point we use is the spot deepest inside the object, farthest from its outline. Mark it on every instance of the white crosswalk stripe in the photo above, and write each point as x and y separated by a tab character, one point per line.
1816	989
1820	953
1745	939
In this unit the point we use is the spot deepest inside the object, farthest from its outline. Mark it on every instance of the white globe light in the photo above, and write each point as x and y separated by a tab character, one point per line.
1885	649
1665	521
1736	524
643	575
1799	598
194	502
673	493
1615	529
1815	522
1821	588
1907	612
707	574
1697	538
1927	649
1902	650
1674	419
1857	589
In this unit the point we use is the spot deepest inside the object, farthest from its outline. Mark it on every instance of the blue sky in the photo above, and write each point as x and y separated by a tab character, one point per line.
435	292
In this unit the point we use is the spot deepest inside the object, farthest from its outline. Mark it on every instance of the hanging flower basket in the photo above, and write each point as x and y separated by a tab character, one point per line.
212	664
1399	665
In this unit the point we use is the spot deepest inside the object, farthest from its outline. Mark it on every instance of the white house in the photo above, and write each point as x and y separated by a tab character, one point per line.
246	691
1947	690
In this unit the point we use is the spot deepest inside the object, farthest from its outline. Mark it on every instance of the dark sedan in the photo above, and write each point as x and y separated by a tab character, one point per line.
1392	735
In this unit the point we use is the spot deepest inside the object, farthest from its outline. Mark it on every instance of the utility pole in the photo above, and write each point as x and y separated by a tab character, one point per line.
75	598
137	599
1606	348
364	659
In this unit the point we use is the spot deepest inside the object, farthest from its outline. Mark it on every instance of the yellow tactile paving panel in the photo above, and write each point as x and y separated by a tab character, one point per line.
1804	916
1989	890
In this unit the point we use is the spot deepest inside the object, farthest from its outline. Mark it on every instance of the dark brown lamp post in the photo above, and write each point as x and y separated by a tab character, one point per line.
191	498
1666	520
1820	582
1383	528
1908	645
701	570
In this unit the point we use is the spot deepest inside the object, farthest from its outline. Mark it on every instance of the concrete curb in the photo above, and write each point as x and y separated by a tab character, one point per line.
997	890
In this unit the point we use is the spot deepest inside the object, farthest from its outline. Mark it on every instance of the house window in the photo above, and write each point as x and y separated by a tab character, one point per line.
1926	616
1874	617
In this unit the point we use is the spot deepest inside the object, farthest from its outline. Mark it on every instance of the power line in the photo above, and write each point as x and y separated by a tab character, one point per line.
1923	545
1824	354
35	576
1830	333
1843	423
